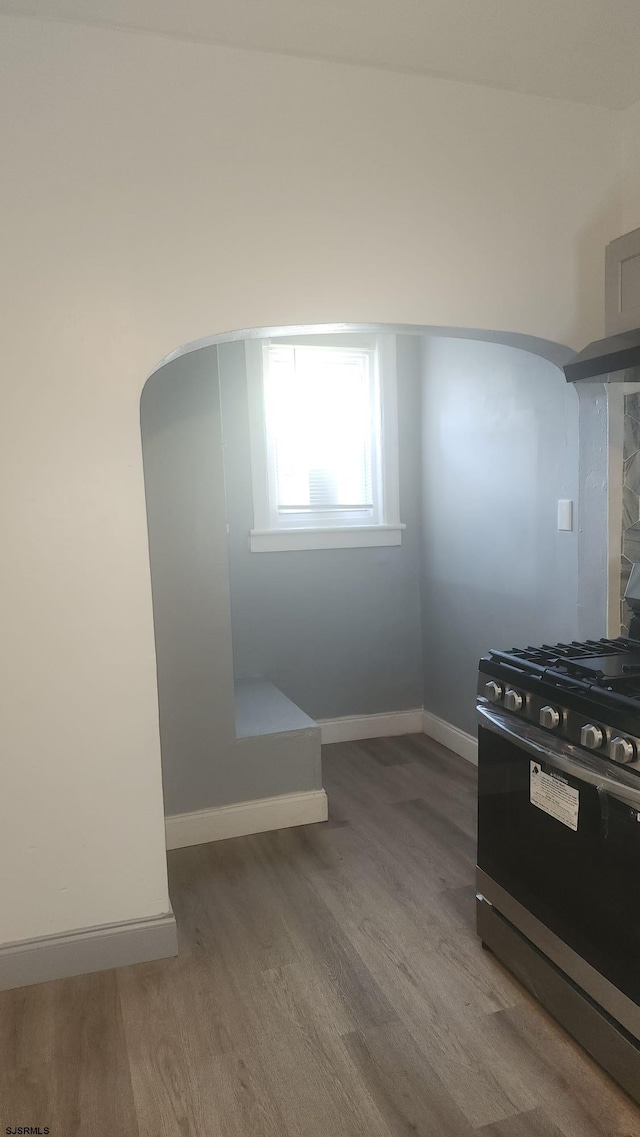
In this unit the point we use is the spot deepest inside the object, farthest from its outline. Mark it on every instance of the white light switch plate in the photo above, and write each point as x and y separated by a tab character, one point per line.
565	516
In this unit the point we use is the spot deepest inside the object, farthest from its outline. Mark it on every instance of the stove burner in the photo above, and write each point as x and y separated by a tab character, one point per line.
612	665
607	668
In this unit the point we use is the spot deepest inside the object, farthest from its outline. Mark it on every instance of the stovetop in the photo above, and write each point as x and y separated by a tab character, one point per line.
599	665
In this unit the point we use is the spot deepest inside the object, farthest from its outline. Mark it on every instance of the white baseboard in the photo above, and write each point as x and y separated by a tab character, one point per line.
245	817
451	736
265	814
354	727
89	949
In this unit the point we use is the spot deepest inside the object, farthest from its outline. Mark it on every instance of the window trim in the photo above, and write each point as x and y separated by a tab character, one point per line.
268	535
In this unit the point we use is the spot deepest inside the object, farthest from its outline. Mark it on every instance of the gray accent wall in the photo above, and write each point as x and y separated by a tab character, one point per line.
203	763
337	630
500	447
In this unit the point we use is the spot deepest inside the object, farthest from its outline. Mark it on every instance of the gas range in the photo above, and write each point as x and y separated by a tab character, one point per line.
558	880
585	693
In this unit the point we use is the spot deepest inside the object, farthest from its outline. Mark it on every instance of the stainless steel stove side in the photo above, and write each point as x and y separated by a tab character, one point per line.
602	1038
609	997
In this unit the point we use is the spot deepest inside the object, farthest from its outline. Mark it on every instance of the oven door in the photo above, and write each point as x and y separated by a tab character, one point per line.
559	846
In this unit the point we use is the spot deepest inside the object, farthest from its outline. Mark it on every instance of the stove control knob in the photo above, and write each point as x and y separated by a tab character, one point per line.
513	700
493	692
549	718
622	750
591	737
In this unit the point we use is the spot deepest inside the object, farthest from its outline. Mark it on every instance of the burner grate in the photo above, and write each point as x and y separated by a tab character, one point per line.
606	664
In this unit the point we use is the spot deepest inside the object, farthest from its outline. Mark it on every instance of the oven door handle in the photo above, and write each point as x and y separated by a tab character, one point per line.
567	757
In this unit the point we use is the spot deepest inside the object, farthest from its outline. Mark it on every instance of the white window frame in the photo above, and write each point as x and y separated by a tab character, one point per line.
270	534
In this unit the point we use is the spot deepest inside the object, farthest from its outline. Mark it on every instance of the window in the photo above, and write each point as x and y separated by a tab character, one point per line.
323	443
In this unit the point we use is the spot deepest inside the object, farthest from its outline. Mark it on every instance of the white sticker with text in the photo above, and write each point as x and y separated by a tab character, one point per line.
553	796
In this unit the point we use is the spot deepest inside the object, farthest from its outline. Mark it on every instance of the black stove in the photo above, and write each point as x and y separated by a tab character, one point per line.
558	879
587	693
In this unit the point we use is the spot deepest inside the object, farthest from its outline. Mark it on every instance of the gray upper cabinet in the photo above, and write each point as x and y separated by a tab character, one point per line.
622	284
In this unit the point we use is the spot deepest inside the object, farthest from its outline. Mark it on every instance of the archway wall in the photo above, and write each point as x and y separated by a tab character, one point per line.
157	190
488	443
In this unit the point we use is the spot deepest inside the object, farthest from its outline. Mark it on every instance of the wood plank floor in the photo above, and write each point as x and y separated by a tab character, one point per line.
329	984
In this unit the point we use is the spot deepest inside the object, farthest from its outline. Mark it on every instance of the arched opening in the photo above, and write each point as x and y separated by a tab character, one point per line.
489	440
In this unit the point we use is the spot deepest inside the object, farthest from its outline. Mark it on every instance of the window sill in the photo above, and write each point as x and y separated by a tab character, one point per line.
346	537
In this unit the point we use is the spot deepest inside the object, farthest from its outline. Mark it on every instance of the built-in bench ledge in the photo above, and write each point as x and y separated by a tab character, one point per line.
262	709
277	751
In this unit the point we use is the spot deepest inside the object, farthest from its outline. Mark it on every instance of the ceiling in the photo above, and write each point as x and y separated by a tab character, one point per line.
584	50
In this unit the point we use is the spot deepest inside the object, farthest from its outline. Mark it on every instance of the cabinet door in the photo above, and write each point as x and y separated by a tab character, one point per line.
622	284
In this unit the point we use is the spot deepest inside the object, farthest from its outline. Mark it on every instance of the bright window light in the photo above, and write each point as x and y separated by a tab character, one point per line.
324	444
321	420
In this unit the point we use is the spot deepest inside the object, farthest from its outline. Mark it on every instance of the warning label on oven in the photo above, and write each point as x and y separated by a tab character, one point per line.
554	796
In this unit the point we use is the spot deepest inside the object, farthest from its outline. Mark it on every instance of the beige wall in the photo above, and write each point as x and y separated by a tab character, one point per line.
154	192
